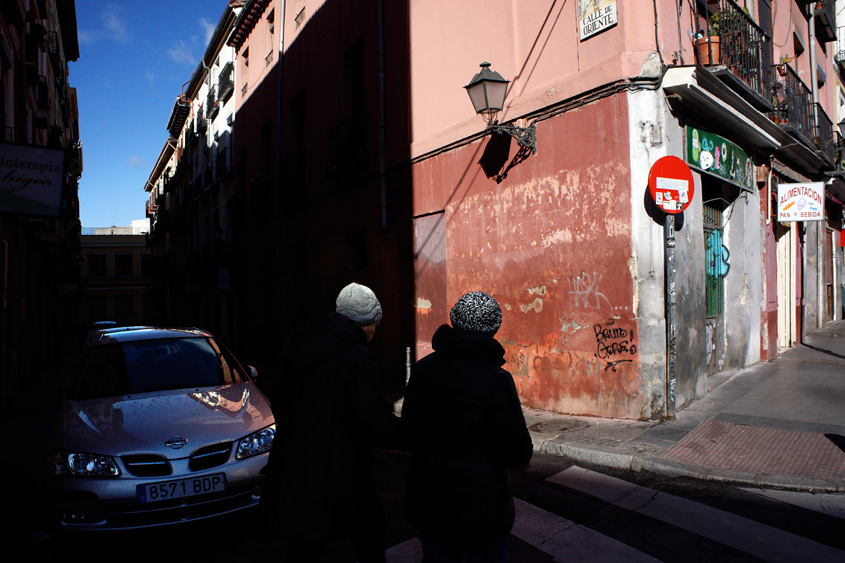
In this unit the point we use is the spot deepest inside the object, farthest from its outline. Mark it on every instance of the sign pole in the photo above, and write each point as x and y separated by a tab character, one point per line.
671	186
671	338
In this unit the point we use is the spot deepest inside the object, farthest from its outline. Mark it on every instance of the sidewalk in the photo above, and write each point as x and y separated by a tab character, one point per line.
777	424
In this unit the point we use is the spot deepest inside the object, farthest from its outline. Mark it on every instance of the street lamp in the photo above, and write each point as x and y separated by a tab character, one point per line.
487	91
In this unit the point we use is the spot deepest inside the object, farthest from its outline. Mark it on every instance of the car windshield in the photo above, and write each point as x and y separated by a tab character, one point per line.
153	365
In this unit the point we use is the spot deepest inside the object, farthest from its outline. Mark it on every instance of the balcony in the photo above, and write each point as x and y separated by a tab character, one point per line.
211	103
839	52
226	82
793	104
794	110
737	50
823	11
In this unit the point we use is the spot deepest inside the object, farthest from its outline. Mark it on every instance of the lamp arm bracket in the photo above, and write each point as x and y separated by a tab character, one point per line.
526	137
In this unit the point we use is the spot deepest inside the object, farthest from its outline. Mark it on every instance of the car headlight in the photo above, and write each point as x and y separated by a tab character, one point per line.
84	465
257	442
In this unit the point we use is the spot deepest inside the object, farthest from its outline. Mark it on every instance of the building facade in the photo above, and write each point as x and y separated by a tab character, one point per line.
40	166
190	194
358	156
115	276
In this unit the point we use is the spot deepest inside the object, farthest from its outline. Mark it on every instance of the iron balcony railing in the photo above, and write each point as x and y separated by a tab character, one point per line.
226	81
793	103
824	134
730	38
839	51
211	103
795	110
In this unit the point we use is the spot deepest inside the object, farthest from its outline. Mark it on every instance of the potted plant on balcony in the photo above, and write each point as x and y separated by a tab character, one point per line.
781	66
709	45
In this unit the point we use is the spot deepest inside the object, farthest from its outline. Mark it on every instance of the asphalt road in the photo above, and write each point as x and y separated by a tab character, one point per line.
564	513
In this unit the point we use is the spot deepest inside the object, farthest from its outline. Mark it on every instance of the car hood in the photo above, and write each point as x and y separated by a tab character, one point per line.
143	423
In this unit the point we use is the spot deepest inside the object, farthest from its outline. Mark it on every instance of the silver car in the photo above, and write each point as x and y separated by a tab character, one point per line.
157	426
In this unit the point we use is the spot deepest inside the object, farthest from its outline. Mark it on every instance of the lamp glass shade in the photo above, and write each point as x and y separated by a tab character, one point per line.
487	92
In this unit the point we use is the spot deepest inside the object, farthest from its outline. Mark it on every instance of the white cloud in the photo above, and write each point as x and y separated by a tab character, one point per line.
137	162
181	53
208	30
113	25
85	36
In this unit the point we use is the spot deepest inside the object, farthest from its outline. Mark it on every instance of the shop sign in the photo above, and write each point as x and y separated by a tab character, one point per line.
719	157
31	180
801	202
594	16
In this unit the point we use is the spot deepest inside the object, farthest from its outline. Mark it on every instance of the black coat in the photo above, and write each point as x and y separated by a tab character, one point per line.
329	413
467	430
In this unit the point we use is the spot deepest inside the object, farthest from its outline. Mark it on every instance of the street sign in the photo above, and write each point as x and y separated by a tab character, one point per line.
670	184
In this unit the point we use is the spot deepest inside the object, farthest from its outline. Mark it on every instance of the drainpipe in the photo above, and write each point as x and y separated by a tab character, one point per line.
381	112
819	224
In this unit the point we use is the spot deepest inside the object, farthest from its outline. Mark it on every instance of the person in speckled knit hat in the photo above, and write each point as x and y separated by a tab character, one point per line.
467	432
330	412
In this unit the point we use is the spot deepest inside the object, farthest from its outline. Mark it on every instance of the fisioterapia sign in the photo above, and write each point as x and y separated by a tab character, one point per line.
801	202
31	180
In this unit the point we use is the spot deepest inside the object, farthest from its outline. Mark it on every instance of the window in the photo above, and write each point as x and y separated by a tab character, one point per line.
271	21
146	258
123	264
96	264
124	307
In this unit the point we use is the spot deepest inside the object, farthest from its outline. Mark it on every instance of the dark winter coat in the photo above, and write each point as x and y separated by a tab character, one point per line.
467	429
329	413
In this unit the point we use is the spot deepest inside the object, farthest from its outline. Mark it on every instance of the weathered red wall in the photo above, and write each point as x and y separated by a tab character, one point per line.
552	243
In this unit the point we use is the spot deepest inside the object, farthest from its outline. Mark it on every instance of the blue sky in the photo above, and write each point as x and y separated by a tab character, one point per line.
134	58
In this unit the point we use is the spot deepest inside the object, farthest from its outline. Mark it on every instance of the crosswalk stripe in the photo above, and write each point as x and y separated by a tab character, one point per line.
824	503
728	529
409	551
567	541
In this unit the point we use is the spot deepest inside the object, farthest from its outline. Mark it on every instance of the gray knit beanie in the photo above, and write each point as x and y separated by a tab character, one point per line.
359	303
477	311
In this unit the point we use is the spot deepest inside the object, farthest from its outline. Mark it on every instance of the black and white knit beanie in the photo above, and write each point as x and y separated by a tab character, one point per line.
359	303
477	311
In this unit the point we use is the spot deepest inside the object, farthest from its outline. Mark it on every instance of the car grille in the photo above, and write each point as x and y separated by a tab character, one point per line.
210	456
147	465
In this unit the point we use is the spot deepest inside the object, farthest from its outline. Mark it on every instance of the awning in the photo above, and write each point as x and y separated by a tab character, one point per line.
180	113
727	113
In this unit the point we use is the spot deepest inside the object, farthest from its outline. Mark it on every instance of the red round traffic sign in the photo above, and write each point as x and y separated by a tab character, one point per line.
670	184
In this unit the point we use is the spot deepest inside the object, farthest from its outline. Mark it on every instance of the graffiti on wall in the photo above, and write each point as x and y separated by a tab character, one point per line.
714	339
584	292
614	344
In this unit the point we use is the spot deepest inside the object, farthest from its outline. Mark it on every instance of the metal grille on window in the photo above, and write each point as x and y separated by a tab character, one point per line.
716	262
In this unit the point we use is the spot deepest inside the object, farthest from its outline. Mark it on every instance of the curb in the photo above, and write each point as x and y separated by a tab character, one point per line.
662	466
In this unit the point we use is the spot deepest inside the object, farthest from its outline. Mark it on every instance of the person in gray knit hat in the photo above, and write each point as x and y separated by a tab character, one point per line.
466	431
319	486
358	303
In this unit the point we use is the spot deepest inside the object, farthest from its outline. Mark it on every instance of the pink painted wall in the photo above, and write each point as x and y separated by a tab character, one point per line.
534	44
551	242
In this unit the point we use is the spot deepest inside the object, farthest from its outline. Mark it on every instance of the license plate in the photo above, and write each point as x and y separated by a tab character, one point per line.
181	488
